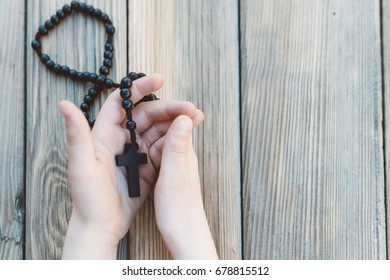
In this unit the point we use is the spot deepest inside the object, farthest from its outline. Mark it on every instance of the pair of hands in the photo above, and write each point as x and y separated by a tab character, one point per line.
102	211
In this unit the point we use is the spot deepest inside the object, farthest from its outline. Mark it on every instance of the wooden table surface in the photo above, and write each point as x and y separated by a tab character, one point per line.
293	151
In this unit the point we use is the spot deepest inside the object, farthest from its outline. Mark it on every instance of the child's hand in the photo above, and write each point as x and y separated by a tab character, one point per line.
102	210
177	197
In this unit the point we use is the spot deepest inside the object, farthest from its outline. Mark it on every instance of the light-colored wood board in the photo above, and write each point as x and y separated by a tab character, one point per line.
313	178
77	42
385	24
12	115
194	44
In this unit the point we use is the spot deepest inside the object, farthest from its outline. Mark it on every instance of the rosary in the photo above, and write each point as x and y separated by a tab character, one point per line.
131	159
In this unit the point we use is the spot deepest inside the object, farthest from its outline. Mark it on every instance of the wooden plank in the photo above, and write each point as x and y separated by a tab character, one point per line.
385	21
194	44
12	115
79	43
312	134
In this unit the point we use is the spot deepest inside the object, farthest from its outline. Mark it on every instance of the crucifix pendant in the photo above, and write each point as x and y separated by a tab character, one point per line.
131	159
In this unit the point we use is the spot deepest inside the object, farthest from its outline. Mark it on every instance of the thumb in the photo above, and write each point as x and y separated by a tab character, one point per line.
78	134
177	144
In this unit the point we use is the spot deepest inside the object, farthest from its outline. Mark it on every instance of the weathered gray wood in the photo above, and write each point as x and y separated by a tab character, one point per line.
12	129
385	21
194	44
312	132
79	43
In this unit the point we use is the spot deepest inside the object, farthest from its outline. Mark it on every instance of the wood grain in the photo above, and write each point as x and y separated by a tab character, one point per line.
385	20
12	116
194	44
313	174
79	43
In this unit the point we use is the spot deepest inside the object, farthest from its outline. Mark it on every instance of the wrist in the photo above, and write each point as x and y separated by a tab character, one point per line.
88	241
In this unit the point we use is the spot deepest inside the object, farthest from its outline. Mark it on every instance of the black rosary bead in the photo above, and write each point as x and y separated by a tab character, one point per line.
127	104
72	74
103	17
48	24
35	45
49	64
75	5
132	75
37	36
97	13
65	70
152	97
104	70
88	99
108	47
44	57
107	62
56	68
126	82
101	80
84	107
60	14
42	30
80	76
90	9
125	93
92	92
86	115
108	54
91	123
82	7
54	19
140	75
109	84
110	29
131	125
87	76
67	9
93	77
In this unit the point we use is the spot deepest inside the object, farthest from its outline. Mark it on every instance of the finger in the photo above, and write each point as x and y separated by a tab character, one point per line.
160	111
175	151
78	134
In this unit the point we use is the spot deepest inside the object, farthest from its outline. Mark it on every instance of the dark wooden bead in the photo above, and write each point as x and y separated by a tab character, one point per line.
35	45
101	80
92	92
72	74
49	64
140	75
65	70
75	5
88	99
57	68
82	7
108	54
86	115
42	30
125	93
127	104
80	76
108	47
48	24
126	82
87	76
107	62
93	77
131	125
97	13
60	14
132	75
109	83
37	36
103	17
104	70
90	9
67	9
84	107
44	57
54	19
110	29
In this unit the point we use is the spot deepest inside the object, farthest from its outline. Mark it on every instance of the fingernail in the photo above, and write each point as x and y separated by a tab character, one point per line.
184	126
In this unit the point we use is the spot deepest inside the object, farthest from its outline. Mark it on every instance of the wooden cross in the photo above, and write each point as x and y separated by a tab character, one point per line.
131	159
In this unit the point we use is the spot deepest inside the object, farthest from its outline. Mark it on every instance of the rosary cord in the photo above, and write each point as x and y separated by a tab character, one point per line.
99	81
